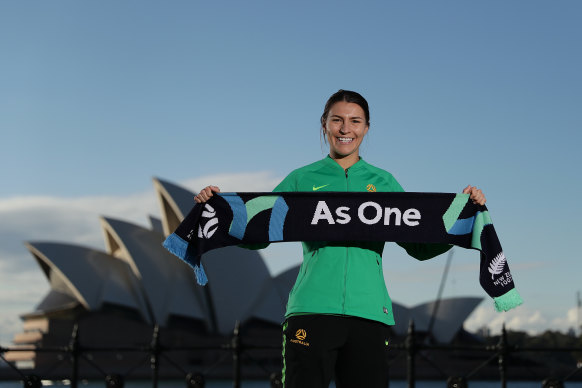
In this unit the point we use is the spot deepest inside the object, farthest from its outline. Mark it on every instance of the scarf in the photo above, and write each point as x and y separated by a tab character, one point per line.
259	218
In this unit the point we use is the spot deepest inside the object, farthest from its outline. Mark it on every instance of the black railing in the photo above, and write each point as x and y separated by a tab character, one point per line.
413	348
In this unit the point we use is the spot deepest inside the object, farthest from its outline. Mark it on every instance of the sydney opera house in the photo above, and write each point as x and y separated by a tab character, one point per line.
116	296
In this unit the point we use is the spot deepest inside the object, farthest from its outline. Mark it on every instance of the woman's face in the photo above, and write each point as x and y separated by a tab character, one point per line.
344	128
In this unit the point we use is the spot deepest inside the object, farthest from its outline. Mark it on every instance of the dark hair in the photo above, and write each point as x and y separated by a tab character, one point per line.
347	96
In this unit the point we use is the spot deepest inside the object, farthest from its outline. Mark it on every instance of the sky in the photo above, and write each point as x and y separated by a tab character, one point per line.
96	98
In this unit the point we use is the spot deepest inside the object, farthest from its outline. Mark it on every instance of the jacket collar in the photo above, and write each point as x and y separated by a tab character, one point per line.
333	164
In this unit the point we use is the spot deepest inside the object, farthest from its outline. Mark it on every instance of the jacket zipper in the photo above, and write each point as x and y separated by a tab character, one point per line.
346	261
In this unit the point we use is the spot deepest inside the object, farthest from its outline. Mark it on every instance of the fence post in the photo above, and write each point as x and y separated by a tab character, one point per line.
75	350
503	352
154	358
235	343
410	344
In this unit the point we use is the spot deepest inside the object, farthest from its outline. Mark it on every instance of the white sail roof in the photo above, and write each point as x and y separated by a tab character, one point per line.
168	285
87	276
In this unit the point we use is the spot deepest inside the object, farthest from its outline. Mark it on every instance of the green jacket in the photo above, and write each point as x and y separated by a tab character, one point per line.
345	278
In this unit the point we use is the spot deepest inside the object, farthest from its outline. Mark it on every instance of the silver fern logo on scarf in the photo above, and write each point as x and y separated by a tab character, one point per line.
497	264
207	229
496	267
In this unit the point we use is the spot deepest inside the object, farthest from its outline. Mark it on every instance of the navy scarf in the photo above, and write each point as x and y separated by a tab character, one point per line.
259	218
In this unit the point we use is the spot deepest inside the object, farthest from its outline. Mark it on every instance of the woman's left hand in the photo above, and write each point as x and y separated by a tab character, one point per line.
476	195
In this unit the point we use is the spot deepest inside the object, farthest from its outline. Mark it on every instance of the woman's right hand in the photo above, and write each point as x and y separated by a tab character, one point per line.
205	194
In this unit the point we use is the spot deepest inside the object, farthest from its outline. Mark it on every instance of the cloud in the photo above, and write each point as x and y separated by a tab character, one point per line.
75	220
568	321
519	319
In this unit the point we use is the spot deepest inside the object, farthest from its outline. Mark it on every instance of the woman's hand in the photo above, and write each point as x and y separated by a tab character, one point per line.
476	195
205	194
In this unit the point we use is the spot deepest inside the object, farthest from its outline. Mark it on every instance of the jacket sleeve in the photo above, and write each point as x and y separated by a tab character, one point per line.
424	251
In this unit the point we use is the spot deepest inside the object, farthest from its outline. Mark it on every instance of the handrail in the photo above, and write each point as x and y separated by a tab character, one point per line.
412	348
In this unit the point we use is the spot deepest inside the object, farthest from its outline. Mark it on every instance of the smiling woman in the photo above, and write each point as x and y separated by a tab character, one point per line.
339	311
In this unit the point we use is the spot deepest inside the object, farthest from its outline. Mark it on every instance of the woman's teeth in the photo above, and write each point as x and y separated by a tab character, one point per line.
345	139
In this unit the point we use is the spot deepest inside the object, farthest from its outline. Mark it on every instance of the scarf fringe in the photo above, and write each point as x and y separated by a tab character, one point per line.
176	245
200	274
179	247
507	301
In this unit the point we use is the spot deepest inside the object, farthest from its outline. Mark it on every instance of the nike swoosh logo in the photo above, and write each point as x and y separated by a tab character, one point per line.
319	187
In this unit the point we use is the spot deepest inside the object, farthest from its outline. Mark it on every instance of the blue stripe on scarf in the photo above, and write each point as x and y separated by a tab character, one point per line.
462	226
239	216
277	220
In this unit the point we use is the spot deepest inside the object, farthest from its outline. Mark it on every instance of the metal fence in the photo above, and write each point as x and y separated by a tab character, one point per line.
413	350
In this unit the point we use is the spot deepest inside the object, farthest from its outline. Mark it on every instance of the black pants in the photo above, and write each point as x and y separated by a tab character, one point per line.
318	347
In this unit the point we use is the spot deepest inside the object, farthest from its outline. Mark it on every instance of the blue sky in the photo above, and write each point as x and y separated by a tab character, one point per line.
98	97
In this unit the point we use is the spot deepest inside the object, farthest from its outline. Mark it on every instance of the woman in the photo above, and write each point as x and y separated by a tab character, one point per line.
339	310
